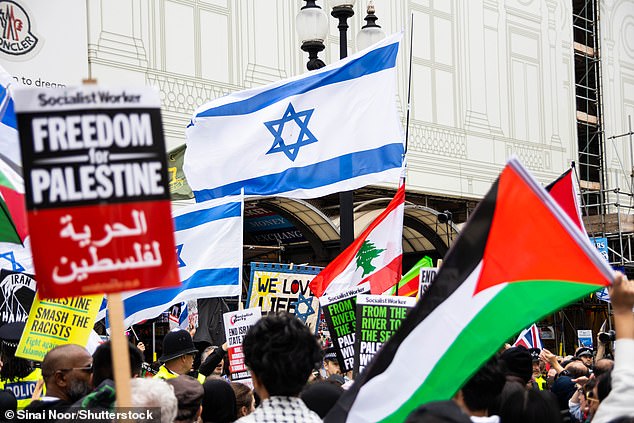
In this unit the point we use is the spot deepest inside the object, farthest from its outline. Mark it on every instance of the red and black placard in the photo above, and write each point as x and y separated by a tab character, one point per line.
96	189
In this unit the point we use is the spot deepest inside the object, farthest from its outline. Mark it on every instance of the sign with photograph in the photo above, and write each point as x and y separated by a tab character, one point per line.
584	336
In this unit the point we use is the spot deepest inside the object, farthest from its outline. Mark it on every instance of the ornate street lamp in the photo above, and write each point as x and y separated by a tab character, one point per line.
370	33
342	10
312	28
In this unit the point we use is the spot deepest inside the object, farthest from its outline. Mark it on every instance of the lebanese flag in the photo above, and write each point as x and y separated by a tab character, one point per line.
529	338
564	191
374	257
408	285
518	259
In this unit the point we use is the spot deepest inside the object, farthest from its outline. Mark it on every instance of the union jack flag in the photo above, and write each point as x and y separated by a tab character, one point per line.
529	338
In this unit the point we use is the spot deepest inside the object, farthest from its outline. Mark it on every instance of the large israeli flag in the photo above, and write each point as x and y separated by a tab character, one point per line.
209	254
331	130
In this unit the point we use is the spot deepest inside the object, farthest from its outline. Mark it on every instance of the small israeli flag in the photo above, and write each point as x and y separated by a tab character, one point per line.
209	255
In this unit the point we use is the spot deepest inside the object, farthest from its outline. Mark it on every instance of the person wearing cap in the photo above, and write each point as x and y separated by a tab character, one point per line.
538	378
585	355
178	356
333	370
17	375
331	364
189	394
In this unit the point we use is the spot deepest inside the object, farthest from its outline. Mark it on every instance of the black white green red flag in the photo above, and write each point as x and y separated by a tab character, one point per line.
374	257
12	210
519	258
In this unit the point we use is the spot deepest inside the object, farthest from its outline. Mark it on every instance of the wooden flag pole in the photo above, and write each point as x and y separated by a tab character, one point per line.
120	351
119	343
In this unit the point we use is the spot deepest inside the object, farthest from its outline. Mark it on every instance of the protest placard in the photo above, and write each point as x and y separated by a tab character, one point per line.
56	322
237	323
283	287
378	317
96	189
340	313
584	336
425	279
17	291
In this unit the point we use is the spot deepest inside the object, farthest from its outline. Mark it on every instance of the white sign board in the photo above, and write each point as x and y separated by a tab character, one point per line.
237	323
44	43
425	278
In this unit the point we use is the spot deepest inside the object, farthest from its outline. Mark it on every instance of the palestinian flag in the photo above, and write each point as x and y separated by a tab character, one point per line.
374	257
518	259
564	191
12	208
408	285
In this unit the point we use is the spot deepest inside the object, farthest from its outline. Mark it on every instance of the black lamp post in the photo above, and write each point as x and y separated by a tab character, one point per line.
342	10
312	28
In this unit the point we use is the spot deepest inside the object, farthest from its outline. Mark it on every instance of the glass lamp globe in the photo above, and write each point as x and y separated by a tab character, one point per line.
370	33
312	23
368	36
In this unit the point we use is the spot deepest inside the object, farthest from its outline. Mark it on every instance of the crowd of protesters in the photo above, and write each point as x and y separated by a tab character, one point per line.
295	381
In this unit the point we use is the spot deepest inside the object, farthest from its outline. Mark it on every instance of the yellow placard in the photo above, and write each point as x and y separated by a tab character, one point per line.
59	321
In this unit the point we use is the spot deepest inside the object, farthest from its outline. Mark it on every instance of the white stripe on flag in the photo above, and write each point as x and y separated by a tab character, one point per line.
464	308
183	320
388	236
209	255
290	139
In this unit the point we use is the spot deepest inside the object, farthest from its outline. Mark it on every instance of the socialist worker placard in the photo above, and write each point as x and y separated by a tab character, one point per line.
96	189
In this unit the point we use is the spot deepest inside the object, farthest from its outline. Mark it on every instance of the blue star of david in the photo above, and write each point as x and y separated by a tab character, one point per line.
305	137
181	263
308	302
15	266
